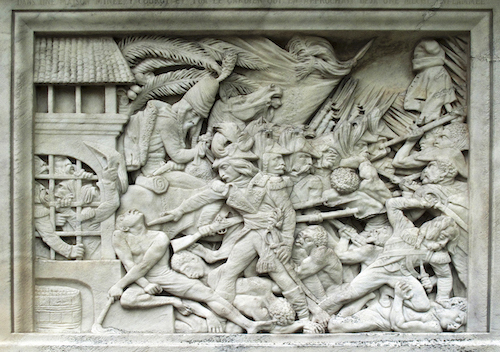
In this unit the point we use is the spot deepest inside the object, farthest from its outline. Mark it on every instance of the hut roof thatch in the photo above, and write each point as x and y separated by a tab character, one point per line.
80	60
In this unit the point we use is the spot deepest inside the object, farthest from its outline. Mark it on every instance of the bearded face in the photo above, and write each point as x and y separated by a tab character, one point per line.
300	163
433	174
63	166
274	163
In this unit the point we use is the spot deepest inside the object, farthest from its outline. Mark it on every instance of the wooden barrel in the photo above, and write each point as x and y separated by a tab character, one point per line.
57	309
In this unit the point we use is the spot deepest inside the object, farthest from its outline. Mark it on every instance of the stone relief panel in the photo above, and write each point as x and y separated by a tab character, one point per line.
237	184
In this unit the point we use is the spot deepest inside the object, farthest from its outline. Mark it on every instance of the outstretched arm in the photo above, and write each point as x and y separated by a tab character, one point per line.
403	159
213	323
216	191
110	196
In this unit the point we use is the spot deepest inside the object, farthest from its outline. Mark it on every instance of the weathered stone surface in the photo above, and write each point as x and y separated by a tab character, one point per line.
261	169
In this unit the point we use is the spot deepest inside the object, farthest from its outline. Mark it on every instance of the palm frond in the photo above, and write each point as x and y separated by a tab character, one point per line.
171	83
246	59
235	85
151	64
180	51
132	39
398	119
456	64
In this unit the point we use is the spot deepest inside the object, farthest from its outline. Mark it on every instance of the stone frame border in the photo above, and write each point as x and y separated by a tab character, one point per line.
17	267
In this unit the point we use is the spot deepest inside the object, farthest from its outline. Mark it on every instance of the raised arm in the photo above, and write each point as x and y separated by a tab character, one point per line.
403	159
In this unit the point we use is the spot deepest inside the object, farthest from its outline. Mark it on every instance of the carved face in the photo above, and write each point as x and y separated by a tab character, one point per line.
193	267
64	189
276	102
330	158
301	162
361	149
227	173
275	163
305	240
191	118
429	138
131	218
63	166
444	141
432	174
449	319
379	236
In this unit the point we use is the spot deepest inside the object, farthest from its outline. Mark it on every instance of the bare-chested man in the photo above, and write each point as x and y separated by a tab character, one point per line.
145	255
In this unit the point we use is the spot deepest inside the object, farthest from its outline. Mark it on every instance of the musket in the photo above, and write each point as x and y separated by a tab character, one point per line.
327	215
184	242
423	129
309	204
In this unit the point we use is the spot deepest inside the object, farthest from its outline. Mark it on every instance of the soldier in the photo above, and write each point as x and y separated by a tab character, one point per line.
145	255
269	224
407	248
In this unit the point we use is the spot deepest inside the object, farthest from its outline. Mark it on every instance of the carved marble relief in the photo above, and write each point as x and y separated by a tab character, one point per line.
250	185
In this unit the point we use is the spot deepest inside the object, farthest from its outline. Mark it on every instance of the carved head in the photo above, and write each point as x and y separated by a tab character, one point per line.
63	166
128	219
299	163
301	159
327	147
455	135
231	169
65	189
330	158
429	138
379	236
273	163
437	172
451	319
188	264
438	232
188	116
312	236
282	312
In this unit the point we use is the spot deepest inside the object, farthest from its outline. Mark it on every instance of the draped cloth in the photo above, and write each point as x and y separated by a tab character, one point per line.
301	97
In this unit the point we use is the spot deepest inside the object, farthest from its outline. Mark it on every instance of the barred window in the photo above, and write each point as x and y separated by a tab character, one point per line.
66	195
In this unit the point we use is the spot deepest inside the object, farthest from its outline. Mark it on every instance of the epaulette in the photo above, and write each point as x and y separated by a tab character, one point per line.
259	180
